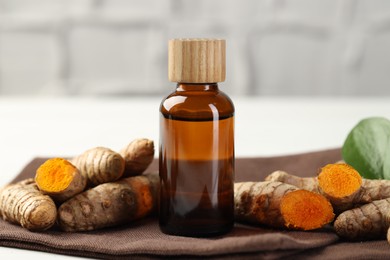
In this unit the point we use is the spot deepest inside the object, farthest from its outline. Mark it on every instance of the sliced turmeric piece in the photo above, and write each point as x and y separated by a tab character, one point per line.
138	156
22	203
339	180
305	210
280	205
100	165
110	204
59	179
341	184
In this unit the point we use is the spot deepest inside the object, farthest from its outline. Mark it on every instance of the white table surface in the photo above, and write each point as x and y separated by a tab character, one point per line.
49	126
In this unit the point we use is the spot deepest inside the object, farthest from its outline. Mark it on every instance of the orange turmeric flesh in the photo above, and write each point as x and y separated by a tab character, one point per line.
339	180
59	179
305	210
55	175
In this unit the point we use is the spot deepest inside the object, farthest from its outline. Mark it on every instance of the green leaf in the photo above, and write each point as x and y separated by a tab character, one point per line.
367	148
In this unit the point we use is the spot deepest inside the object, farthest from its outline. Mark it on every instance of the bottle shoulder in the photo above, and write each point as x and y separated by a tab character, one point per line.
197	105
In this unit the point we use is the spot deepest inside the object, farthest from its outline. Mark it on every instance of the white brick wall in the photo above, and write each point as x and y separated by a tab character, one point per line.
274	47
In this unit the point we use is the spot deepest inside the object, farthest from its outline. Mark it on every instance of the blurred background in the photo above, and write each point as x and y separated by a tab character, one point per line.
119	47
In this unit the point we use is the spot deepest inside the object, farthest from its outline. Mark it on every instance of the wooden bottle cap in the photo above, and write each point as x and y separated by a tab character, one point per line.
196	60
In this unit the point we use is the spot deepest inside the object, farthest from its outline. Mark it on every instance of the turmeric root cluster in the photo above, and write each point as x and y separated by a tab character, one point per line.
99	188
362	205
102	188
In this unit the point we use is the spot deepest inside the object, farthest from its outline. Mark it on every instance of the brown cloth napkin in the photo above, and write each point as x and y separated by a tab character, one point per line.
143	239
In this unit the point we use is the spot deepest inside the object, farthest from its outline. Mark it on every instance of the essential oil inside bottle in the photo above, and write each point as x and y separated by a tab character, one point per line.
196	150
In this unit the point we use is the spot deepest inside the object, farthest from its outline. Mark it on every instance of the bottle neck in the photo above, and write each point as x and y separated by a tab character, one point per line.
197	87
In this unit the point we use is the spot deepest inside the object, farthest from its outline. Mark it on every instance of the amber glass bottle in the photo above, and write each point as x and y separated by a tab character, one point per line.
196	142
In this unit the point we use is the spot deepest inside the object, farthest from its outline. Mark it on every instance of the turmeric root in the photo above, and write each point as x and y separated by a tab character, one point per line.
138	155
280	205
388	235
305	183
100	165
110	204
59	179
388	230
341	184
22	203
365	222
